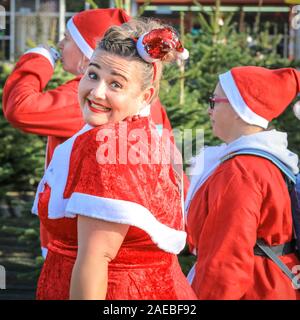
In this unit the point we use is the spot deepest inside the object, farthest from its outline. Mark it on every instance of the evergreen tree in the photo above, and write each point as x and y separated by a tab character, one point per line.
22	155
214	49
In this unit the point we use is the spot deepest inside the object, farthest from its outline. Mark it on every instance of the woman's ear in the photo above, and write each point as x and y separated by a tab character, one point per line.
148	95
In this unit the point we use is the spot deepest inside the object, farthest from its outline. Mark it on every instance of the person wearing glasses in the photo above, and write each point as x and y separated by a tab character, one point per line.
234	201
112	195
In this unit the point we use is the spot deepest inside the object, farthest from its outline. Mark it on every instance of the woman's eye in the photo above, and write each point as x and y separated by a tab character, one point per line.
116	85
92	75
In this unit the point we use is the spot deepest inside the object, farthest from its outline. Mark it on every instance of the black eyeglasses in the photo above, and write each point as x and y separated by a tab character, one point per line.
213	100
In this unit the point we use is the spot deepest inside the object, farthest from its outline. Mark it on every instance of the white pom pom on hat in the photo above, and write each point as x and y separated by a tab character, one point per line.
184	55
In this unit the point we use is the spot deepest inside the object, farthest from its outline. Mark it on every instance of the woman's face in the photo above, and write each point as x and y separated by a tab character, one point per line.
111	89
72	58
222	116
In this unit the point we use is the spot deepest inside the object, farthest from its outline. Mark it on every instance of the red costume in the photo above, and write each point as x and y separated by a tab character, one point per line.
246	198
56	113
144	195
231	204
53	113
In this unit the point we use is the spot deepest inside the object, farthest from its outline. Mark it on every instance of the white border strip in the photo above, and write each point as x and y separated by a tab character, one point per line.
78	38
142	51
131	213
237	102
43	52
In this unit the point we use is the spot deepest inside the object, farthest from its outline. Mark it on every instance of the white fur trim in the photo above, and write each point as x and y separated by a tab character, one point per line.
142	52
184	55
208	160
114	210
44	52
56	177
296	109
145	112
237	102
80	41
126	212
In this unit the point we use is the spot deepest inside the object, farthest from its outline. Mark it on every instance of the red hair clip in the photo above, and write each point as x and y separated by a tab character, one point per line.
154	45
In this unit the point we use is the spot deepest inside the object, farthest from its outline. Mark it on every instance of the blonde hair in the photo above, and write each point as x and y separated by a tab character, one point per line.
121	41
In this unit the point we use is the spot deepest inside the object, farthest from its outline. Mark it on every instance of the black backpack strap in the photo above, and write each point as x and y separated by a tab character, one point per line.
284	268
261	248
280	250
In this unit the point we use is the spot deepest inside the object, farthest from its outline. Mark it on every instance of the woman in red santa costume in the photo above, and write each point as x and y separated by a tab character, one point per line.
56	113
111	200
233	203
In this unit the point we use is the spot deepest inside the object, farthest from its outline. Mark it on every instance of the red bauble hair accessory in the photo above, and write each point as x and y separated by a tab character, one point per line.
156	44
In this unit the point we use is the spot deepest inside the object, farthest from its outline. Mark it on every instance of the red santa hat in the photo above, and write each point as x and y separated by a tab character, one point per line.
88	27
259	95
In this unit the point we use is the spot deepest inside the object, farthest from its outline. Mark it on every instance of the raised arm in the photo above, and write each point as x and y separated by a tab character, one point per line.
28	107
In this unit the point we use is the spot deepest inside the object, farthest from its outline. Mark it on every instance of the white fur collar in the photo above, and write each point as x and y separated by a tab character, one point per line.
56	177
208	159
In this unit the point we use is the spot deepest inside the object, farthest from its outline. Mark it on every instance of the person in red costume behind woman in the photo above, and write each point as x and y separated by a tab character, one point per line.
234	202
56	113
111	194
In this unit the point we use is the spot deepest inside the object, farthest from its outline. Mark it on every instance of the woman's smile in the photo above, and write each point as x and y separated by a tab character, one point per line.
111	90
97	108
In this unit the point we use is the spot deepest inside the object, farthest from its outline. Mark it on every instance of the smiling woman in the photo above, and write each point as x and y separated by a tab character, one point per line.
55	113
111	89
118	224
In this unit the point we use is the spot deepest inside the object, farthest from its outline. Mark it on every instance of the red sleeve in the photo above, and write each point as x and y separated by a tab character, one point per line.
225	261
27	107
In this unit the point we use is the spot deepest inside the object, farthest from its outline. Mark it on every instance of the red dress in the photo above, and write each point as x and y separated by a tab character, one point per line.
145	196
54	113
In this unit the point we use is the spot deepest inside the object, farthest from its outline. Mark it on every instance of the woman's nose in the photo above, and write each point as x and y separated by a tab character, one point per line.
99	91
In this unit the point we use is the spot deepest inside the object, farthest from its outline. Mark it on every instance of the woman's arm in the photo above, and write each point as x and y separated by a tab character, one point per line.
98	243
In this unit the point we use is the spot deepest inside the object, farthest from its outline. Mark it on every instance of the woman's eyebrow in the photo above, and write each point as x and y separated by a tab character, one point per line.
114	73
96	65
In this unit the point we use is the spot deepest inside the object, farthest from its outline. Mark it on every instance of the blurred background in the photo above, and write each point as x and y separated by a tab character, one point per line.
218	34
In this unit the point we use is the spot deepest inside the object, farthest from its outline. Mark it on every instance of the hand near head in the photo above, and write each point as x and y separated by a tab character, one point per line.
52	51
